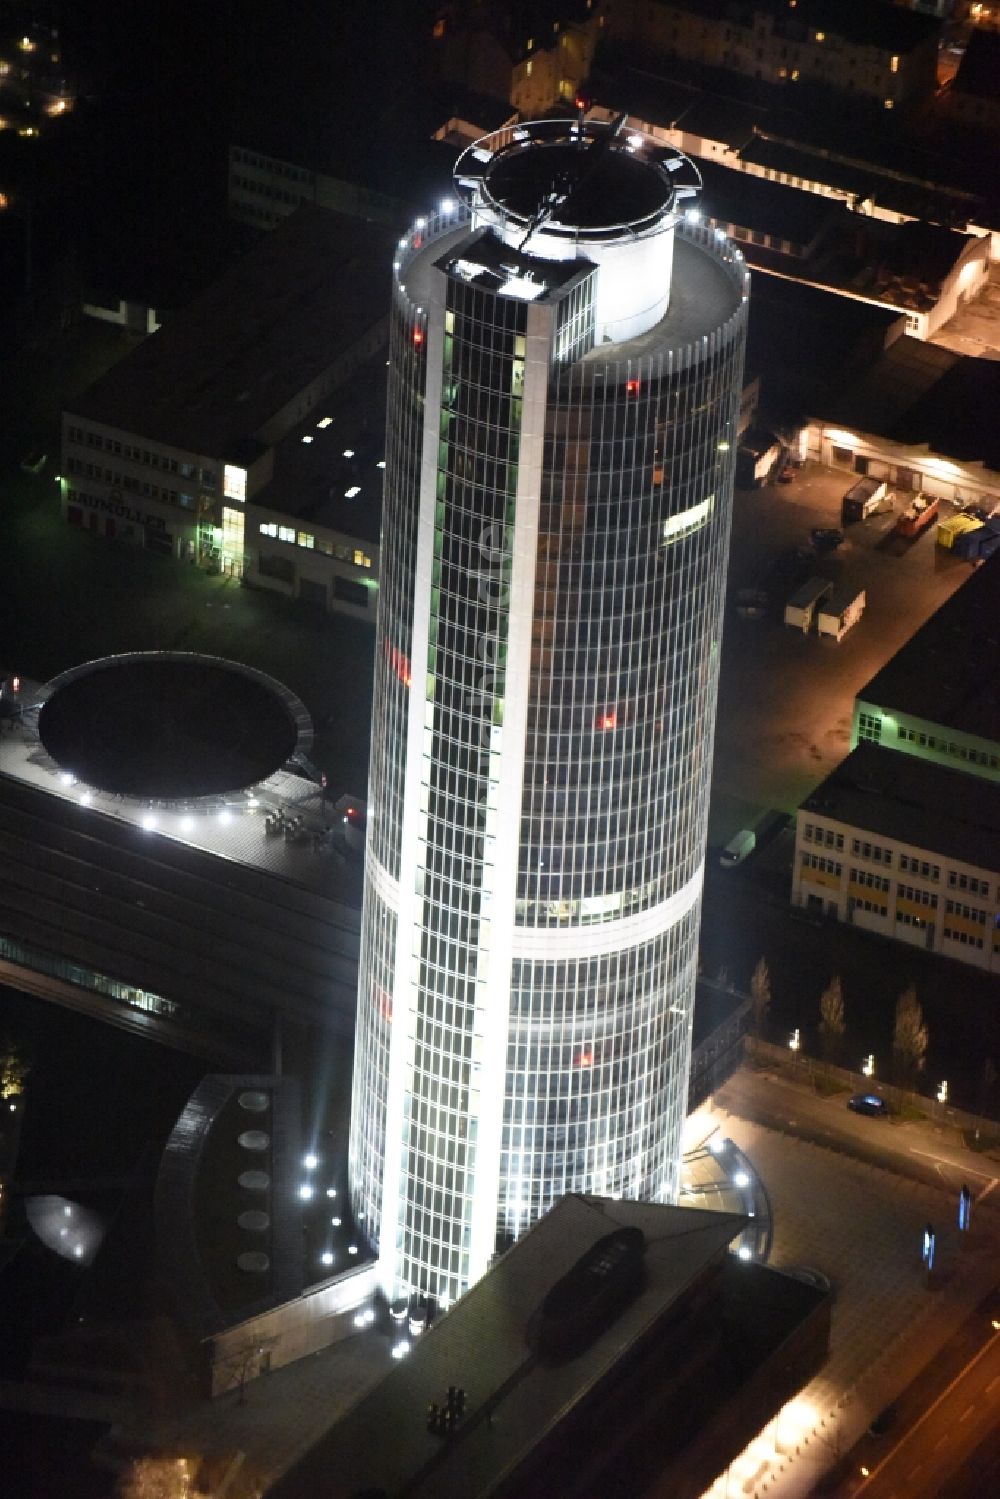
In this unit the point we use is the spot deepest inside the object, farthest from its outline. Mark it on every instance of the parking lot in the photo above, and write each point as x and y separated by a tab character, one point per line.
785	699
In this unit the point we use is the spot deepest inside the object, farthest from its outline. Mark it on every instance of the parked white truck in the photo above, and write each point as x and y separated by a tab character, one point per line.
838	613
802	606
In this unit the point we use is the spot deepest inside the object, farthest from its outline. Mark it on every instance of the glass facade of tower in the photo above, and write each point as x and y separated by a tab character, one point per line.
555	533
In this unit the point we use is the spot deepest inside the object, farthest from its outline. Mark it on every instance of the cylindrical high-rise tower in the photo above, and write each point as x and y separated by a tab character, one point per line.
566	359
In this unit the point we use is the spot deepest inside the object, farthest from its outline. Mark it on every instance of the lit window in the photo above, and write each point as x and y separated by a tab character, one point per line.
821	36
349	494
361	559
308	437
305	540
324	422
677	526
268	528
286	533
889	103
234	482
894	65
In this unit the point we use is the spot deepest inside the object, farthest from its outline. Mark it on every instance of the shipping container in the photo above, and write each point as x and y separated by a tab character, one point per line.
837	614
968	541
918	515
866	497
801	607
950	530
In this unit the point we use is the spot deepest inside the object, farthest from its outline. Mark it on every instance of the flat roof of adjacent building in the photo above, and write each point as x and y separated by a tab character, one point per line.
915	802
218	370
313	474
949	671
979	71
516	1399
921	394
736	197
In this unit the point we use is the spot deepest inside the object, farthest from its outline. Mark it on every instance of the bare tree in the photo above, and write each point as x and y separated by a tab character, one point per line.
831	1019
760	997
909	1039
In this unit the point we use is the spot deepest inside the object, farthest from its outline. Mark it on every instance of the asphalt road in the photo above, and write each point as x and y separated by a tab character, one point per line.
915	1151
961	1423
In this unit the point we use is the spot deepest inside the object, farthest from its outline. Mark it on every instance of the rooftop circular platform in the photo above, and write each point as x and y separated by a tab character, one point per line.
170	726
583	180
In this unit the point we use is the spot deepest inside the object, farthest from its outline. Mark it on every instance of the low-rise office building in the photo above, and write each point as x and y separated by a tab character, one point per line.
936	699
188	446
905	848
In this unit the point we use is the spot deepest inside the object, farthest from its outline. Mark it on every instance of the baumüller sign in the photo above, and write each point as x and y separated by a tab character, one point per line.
114	505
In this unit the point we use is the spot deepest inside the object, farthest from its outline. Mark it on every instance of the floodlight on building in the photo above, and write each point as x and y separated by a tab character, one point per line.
67	777
310	1161
225	816
326	1258
380	463
85	798
352	1249
447	205
336	1222
348	452
741	1179
743	1253
149	822
331	1191
401	1349
305	1191
187	823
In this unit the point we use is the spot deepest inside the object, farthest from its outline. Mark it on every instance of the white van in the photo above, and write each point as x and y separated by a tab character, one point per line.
738	847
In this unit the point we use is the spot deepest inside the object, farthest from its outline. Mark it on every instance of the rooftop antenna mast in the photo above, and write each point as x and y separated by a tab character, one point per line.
558	195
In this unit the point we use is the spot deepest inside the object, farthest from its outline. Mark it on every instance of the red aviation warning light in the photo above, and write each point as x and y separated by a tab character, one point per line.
632	388
418	337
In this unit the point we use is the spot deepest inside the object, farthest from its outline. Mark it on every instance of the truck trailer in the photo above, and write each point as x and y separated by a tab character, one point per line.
801	607
840	611
866	497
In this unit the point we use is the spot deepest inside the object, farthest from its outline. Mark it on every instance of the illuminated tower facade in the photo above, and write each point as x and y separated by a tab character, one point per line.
567	352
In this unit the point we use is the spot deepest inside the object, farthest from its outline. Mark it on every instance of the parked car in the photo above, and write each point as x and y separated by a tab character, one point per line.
738	848
826	538
869	1103
34	461
751	603
881	1423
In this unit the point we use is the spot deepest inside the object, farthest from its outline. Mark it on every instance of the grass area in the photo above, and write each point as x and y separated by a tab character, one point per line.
827	1086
